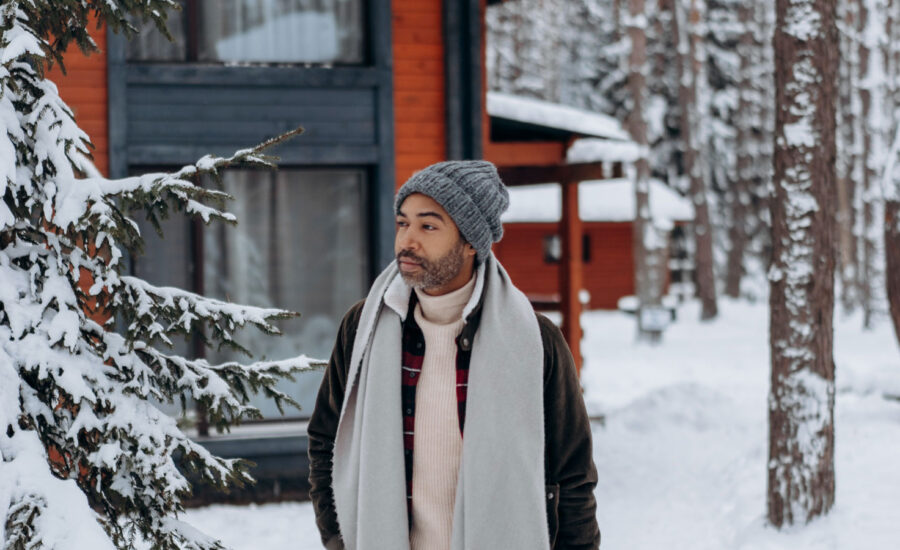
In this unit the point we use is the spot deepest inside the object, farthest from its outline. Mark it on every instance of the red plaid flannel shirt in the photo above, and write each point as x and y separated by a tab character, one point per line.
413	354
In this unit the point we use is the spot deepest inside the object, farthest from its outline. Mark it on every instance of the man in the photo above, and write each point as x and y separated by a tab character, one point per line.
450	415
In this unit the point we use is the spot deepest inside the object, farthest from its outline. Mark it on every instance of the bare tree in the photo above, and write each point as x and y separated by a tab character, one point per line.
646	243
801	402
688	23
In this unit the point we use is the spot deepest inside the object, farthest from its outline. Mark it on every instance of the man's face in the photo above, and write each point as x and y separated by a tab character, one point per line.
430	251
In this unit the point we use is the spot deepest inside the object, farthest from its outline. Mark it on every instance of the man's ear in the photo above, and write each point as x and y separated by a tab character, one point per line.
470	250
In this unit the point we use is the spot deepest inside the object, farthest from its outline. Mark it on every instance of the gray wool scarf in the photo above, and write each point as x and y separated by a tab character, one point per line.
500	492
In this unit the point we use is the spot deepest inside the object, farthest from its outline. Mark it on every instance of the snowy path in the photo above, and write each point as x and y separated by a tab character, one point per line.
682	456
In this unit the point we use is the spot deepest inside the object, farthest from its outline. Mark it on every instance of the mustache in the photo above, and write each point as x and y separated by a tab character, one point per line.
409	254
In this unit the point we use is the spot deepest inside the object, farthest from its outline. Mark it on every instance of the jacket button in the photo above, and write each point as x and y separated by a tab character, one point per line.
549	496
418	345
412	374
465	343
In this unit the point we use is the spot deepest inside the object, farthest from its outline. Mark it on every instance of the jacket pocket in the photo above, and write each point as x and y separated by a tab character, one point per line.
551	495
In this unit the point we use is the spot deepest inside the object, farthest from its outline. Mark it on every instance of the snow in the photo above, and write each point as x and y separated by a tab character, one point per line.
604	150
682	455
599	201
306	36
554	115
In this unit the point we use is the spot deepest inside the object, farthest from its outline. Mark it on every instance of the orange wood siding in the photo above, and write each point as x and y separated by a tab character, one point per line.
83	88
419	106
521	251
526	153
608	275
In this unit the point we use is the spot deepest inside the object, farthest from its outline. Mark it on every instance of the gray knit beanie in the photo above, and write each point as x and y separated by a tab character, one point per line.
471	192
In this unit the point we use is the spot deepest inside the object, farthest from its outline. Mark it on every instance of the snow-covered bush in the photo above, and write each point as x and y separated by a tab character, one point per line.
86	459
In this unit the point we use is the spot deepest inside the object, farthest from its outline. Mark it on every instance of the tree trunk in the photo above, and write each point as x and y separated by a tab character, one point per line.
645	240
873	98
849	164
892	182
892	255
801	402
761	239
740	196
688	19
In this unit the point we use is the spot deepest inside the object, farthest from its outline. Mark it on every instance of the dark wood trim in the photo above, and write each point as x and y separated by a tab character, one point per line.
463	78
117	123
191	32
530	175
181	74
312	155
454	103
382	199
476	85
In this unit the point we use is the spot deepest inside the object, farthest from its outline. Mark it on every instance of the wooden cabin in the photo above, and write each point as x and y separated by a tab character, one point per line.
382	87
531	247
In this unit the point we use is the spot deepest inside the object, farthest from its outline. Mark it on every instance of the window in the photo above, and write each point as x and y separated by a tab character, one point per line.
257	31
300	244
553	249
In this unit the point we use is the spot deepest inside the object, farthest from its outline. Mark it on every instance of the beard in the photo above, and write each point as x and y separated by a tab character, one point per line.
434	273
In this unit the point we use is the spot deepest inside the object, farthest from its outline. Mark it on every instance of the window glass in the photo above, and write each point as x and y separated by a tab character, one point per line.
299	245
151	45
259	31
552	249
166	261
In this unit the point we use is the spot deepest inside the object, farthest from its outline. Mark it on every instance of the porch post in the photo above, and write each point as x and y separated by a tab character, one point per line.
571	274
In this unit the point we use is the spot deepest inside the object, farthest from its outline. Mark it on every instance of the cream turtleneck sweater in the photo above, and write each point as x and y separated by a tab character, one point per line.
438	443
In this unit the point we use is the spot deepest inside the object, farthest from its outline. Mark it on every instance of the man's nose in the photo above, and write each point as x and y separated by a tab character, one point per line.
406	240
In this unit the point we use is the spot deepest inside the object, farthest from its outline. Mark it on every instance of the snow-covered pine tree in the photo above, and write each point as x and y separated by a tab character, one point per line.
729	148
86	459
646	241
690	22
740	75
527	55
875	119
801	299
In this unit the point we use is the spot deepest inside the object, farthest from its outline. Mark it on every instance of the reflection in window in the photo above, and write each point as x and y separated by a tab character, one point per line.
166	261
151	45
553	248
262	31
299	245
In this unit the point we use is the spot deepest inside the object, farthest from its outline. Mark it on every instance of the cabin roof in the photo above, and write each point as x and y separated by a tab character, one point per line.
599	201
518	118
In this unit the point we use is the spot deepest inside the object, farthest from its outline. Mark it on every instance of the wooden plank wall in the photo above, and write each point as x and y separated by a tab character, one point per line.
419	107
608	275
83	88
177	120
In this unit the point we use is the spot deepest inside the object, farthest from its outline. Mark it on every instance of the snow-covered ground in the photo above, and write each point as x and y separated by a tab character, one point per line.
682	454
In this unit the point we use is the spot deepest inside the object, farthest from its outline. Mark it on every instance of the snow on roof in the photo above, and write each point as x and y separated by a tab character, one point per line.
599	201
554	115
604	150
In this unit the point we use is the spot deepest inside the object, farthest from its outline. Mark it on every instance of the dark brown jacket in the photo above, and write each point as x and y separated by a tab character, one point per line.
570	473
